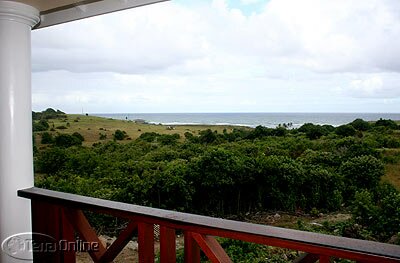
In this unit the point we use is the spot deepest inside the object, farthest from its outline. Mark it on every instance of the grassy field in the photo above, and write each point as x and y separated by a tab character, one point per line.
91	127
392	169
392	174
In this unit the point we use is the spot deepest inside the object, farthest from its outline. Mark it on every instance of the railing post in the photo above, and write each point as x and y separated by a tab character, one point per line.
167	245
49	227
192	249
324	259
146	242
307	258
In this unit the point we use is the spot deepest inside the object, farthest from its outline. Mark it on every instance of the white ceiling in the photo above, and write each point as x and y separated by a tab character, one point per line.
54	12
46	5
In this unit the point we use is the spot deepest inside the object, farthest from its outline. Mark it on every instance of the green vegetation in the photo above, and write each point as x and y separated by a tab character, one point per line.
48	114
66	140
119	135
234	171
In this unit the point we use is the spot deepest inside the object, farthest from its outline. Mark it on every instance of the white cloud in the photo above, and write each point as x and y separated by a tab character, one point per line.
360	36
250	2
287	56
385	85
368	87
126	42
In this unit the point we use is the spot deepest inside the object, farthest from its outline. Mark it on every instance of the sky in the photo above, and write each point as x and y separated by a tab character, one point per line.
223	56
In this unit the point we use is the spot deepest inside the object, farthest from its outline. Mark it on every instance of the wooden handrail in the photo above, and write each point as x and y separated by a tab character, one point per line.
200	229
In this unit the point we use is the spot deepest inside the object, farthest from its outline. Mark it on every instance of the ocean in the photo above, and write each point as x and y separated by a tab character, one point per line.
249	119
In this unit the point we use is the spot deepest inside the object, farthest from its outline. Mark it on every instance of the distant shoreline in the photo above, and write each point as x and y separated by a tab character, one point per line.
251	120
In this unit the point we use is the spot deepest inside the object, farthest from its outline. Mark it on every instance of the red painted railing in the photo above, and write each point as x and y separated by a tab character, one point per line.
60	216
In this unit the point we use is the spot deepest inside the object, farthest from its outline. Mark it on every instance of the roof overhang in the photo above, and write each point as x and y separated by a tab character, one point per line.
56	12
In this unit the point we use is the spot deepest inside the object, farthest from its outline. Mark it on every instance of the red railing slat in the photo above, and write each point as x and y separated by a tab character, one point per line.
116	247
192	249
86	232
211	248
167	245
146	242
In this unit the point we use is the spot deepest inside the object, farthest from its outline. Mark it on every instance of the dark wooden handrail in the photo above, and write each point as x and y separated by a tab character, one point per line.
198	230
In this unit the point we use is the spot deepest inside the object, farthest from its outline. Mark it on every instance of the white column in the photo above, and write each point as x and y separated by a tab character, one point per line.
16	168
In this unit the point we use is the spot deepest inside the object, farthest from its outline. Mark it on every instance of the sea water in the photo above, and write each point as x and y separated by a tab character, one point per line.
249	119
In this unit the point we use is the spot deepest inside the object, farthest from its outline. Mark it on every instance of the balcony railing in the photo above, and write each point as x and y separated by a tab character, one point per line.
60	216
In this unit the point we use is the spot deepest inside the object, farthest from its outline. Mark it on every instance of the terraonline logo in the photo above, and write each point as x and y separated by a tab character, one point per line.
23	245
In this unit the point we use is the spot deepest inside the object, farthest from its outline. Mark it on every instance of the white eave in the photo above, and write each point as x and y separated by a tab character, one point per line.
54	12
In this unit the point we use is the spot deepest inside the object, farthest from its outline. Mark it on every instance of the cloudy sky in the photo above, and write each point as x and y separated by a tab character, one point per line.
224	56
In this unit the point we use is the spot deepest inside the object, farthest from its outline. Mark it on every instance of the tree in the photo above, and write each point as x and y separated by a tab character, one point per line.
345	130
363	172
149	136
279	131
386	123
78	136
314	131
102	136
361	125
207	136
41	125
47	138
167	139
214	174
66	140
50	161
259	132
119	135
48	114
378	212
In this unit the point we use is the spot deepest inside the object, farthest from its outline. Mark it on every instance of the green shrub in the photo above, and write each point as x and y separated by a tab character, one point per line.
345	130
314	131
386	123
363	172
47	138
48	114
41	125
119	135
50	161
149	136
207	136
66	140
78	136
379	212
167	139
361	125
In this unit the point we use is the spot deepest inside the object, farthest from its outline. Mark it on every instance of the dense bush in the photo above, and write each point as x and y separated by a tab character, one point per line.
378	212
47	138
78	136
314	131
48	114
386	123
66	140
41	125
362	172
361	125
102	136
51	161
119	135
149	136
345	130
